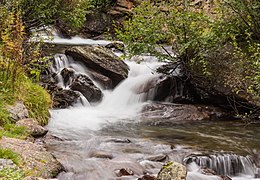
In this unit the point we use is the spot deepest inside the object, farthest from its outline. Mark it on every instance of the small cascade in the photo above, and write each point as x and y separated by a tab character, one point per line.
225	164
124	102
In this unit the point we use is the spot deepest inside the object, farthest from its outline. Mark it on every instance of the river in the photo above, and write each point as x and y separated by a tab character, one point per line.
95	141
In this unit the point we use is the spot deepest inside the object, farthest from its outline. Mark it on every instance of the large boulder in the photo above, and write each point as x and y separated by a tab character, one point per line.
172	171
36	159
84	84
101	60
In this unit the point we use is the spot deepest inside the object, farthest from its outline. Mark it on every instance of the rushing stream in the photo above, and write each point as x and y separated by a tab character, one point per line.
95	141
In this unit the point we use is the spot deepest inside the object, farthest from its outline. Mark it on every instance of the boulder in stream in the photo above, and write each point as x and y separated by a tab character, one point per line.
100	60
172	171
63	98
84	84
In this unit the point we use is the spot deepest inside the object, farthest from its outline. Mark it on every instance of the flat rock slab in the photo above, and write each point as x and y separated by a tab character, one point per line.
36	159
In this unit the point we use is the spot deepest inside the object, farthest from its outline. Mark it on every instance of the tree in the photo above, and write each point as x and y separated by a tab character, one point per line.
220	43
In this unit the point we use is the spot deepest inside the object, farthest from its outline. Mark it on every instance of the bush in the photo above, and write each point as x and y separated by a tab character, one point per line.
198	38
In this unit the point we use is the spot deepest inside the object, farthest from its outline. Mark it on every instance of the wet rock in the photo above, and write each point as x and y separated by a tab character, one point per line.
101	154
63	98
147	177
119	140
208	171
167	113
18	111
158	158
36	159
101	60
165	88
48	82
210	90
124	172
33	127
6	163
67	75
84	84
172	171
226	178
104	81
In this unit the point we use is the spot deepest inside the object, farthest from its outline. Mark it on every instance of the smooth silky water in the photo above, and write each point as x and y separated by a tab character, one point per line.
94	141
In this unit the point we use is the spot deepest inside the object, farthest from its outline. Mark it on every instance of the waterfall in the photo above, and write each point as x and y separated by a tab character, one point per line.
79	125
119	104
225	164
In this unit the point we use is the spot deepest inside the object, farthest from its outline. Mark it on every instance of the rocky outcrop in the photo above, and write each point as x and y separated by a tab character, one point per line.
203	90
166	88
18	111
36	159
83	84
100	60
172	171
167	114
33	127
63	98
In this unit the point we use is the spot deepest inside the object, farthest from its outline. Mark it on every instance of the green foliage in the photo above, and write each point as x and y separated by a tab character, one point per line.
13	131
221	42
101	3
9	154
37	101
47	12
13	174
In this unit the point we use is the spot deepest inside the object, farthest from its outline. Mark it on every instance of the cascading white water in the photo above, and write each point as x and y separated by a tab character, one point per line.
121	103
76	124
226	164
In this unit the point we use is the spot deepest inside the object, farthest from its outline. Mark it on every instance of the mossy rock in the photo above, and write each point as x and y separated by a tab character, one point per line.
172	171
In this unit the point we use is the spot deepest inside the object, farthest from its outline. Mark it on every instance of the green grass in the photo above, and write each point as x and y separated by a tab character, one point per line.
11	174
9	154
36	99
13	131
